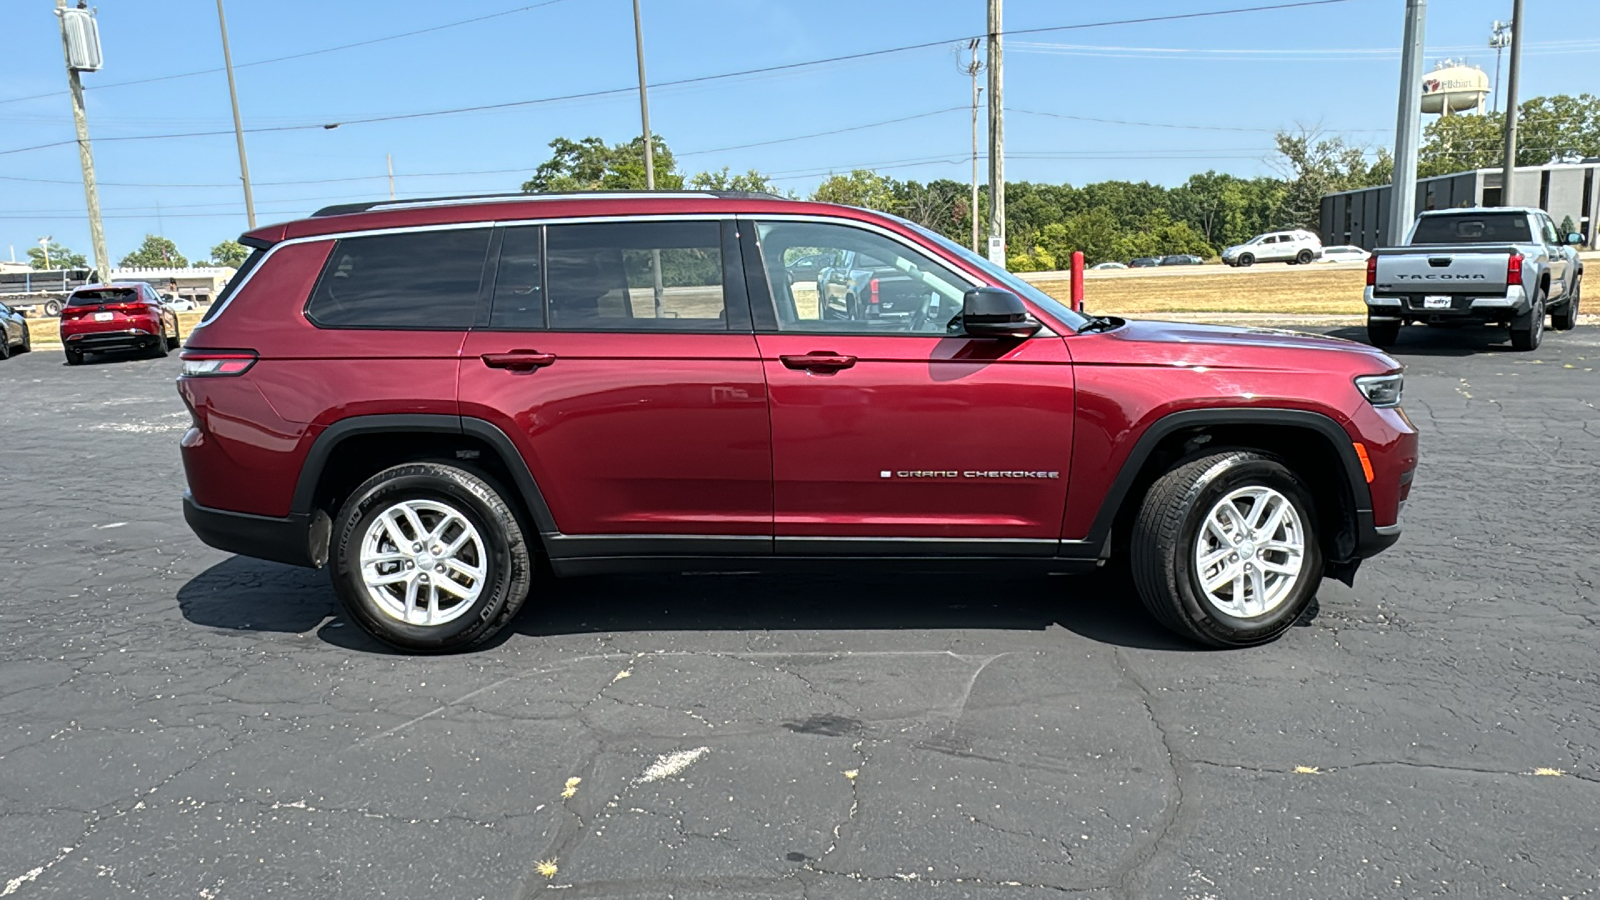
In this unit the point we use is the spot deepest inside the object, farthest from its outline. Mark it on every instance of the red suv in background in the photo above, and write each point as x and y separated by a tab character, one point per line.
102	317
435	398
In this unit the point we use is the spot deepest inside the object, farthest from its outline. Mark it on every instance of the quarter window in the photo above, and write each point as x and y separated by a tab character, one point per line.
635	276
872	284
420	280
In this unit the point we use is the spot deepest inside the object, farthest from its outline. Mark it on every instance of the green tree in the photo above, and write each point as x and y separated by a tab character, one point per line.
229	253
1548	129
1096	232
1226	209
932	205
60	258
1314	165
752	181
592	165
862	187
1461	143
155	252
1158	234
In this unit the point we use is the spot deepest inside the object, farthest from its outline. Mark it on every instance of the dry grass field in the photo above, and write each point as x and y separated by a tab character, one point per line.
1287	290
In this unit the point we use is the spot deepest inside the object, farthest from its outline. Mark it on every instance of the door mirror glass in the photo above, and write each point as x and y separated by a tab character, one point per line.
1574	238
995	312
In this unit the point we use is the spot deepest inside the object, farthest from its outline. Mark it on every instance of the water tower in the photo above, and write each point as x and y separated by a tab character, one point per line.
1454	87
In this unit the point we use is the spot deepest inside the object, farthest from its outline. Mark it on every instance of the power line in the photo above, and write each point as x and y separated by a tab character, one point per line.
585	95
302	55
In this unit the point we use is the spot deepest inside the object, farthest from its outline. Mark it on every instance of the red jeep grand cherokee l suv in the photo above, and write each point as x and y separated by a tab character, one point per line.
434	398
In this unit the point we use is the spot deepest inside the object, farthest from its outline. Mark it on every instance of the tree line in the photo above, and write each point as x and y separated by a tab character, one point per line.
1107	220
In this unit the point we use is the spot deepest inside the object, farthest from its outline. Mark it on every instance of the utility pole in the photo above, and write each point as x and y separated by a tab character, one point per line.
972	67
1408	124
238	126
80	120
1510	171
1498	39
389	158
997	156
649	145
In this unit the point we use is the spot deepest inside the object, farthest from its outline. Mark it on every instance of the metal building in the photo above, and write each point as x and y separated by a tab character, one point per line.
1562	189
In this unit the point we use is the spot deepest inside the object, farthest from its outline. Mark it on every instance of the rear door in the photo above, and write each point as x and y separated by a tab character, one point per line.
895	435
641	410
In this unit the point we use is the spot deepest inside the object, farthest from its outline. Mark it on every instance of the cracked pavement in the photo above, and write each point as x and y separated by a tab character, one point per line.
176	722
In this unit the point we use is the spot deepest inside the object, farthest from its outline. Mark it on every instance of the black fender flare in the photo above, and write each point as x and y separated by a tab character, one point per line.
1354	481
412	423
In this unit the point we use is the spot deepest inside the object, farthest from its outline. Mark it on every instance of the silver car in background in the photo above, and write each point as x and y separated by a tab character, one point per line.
1295	247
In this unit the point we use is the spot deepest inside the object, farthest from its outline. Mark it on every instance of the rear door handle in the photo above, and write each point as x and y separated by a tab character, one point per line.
820	362
518	360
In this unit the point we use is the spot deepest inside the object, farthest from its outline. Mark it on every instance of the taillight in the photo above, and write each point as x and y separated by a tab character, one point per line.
1514	269
872	291
216	363
1372	271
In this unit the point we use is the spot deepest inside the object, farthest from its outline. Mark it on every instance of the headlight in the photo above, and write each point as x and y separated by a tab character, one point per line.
1382	390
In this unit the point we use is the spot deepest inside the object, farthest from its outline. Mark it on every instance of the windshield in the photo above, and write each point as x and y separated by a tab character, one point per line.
1473	228
107	295
1058	310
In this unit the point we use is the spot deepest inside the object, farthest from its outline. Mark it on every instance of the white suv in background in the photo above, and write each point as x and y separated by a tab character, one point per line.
1297	246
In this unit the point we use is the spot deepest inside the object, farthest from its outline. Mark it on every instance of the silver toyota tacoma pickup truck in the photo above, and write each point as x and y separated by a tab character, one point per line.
1505	265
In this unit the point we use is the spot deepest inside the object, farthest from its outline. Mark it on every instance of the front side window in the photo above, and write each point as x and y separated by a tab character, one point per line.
415	280
635	276
876	285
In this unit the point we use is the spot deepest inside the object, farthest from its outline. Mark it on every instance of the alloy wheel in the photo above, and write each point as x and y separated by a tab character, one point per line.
1249	552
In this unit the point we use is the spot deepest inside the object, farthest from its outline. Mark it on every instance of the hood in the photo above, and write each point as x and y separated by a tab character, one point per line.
1191	344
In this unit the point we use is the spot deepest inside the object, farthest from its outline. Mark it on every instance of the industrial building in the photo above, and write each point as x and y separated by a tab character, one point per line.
1360	217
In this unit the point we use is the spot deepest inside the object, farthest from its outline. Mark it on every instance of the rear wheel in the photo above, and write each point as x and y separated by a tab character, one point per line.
1527	331
52	307
158	349
1383	332
1303	257
429	558
1225	549
1566	318
74	356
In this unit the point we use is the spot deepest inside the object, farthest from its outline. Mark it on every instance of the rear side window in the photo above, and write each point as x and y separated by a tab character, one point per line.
635	276
425	280
240	276
1478	228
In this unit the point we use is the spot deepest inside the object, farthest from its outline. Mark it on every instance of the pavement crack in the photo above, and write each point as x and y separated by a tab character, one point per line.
1126	876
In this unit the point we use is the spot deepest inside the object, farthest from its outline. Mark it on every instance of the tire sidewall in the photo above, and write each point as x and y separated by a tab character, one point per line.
1212	487
364	508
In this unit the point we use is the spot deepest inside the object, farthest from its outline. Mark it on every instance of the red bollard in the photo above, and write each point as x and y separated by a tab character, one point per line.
1077	280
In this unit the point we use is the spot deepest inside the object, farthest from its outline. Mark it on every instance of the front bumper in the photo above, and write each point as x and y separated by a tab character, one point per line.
299	539
1463	307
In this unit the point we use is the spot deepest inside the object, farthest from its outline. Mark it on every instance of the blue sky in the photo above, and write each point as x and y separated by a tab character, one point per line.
1332	66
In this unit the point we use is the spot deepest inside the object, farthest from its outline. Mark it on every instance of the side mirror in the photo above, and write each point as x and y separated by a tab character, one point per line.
1575	239
995	313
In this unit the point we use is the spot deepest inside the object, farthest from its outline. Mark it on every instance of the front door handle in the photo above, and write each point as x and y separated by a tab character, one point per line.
518	360
819	362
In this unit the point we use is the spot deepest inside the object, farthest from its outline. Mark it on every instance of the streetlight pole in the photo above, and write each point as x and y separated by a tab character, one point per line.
649	148
1509	172
972	68
1403	196
238	126
80	120
997	156
1499	37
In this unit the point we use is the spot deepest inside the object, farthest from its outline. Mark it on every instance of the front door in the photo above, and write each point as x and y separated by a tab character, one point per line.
889	433
621	363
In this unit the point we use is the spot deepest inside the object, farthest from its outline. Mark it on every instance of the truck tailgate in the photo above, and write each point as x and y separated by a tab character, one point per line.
1445	270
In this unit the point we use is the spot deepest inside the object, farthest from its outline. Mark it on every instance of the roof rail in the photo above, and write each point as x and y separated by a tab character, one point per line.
343	209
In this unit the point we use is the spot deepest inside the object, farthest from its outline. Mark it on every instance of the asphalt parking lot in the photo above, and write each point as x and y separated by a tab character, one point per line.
176	722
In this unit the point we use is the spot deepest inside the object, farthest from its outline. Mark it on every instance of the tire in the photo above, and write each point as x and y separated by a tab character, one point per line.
74	357
1304	257
5	344
493	543
1246	260
158	350
27	339
52	307
1566	318
1383	333
176	341
1527	331
1173	529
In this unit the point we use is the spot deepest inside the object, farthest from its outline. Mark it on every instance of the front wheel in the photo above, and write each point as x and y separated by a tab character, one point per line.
1566	318
1225	549
429	558
1247	260
27	338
